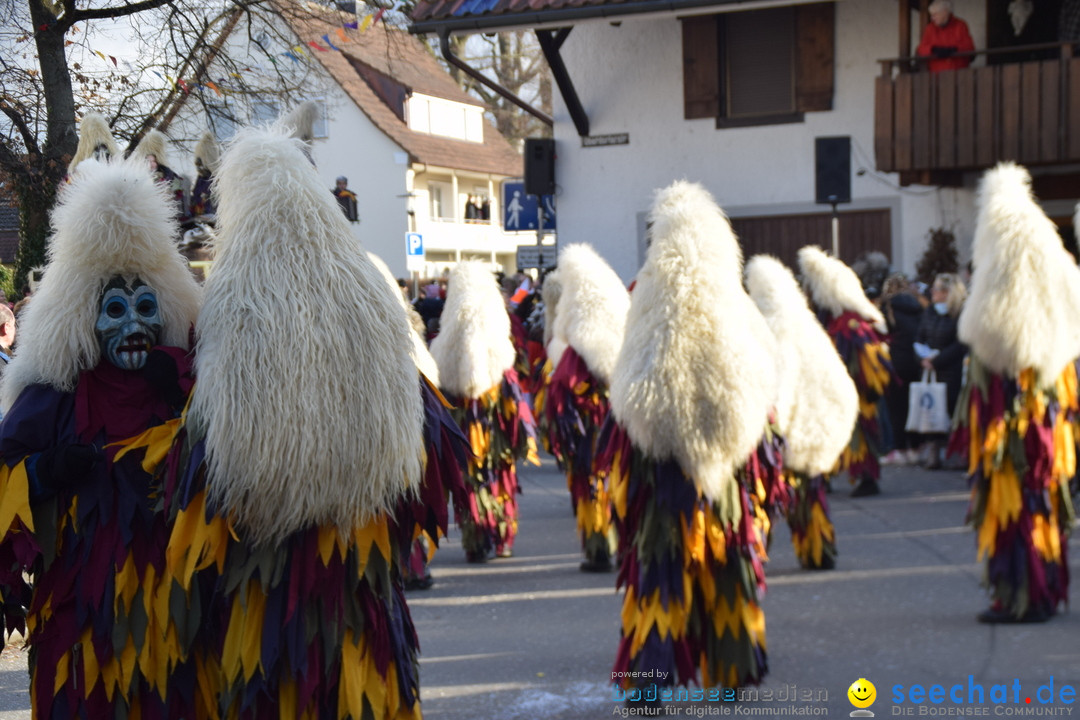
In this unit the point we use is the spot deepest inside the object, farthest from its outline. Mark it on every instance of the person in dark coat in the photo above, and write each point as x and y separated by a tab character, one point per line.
903	314
941	349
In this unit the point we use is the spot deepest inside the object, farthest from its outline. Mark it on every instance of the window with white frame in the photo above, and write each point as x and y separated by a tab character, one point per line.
264	112
437	116
442	207
222	121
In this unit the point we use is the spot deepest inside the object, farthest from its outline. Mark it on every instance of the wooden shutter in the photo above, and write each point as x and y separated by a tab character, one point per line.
701	67
815	52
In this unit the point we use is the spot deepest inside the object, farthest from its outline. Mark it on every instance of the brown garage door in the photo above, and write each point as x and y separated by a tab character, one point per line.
782	235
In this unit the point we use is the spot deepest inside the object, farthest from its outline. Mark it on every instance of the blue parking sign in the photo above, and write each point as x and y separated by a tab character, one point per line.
414	244
520	209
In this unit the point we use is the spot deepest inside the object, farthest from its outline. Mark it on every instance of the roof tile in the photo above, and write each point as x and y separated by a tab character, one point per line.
409	62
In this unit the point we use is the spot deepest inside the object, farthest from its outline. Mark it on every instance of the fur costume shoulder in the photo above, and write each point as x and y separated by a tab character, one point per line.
695	376
834	286
112	219
93	132
821	399
473	348
551	292
306	393
153	143
592	310
1024	307
420	353
208	150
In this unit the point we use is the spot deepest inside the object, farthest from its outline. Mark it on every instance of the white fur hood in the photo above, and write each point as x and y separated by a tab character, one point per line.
818	402
473	348
306	391
1024	307
695	377
835	287
591	316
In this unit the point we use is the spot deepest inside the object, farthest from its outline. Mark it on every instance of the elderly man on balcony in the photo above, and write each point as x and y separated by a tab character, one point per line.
944	37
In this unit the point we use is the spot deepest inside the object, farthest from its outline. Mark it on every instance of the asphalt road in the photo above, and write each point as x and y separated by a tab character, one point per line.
532	637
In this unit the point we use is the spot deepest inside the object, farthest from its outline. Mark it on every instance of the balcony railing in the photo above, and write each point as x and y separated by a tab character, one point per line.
928	126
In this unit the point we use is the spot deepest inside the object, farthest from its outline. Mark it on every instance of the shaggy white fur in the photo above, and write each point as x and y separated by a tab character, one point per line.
208	150
592	309
153	143
113	219
306	391
1024	307
835	287
93	131
551	292
473	348
420	353
300	121
818	403
695	376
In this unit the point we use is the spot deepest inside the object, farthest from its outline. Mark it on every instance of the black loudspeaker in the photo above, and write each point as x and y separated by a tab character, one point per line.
832	170
539	166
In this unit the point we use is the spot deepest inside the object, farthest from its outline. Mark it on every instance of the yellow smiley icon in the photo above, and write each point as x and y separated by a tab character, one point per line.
862	693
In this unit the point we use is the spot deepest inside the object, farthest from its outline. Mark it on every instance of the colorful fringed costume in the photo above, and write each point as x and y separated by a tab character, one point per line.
475	357
857	329
866	354
588	321
96	550
1021	457
691	459
1015	416
577	407
501	431
317	624
83	521
693	573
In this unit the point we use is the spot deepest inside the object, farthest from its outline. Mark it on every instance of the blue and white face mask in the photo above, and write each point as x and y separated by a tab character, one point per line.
129	322
941	308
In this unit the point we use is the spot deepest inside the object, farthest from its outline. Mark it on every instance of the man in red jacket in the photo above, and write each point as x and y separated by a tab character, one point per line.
944	37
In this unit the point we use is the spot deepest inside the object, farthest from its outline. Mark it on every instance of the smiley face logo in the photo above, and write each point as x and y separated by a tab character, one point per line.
862	694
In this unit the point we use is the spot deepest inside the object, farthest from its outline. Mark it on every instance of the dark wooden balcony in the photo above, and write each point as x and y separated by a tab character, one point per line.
931	127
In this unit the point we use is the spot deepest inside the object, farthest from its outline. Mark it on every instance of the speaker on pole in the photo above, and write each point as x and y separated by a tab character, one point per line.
539	166
832	170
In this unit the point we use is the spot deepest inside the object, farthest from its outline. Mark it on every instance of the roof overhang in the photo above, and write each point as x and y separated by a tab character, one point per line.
562	17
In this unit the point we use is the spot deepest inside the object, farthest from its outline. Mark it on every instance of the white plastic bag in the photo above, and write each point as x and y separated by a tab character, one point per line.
928	411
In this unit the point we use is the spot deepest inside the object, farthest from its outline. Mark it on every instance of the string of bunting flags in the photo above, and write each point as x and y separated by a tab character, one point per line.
295	54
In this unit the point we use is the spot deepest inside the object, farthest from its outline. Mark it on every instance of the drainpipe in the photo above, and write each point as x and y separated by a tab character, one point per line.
444	46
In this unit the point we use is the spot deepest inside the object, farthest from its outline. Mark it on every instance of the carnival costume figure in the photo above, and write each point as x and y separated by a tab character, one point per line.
476	367
691	395
550	292
310	452
857	329
102	358
153	149
590	320
95	141
1015	418
415	561
816	408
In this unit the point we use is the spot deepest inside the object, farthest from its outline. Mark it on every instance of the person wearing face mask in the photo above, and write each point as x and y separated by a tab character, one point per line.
103	358
939	348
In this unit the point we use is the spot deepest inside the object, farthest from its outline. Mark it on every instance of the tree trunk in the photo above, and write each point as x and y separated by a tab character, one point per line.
36	188
34	206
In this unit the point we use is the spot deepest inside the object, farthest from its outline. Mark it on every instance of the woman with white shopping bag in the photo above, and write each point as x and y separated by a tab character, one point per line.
942	357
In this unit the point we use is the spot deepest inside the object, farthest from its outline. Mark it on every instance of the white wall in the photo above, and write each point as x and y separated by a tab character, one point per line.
375	167
629	79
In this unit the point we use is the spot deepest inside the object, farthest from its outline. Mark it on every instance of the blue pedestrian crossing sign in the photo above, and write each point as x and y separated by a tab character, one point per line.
520	210
414	244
